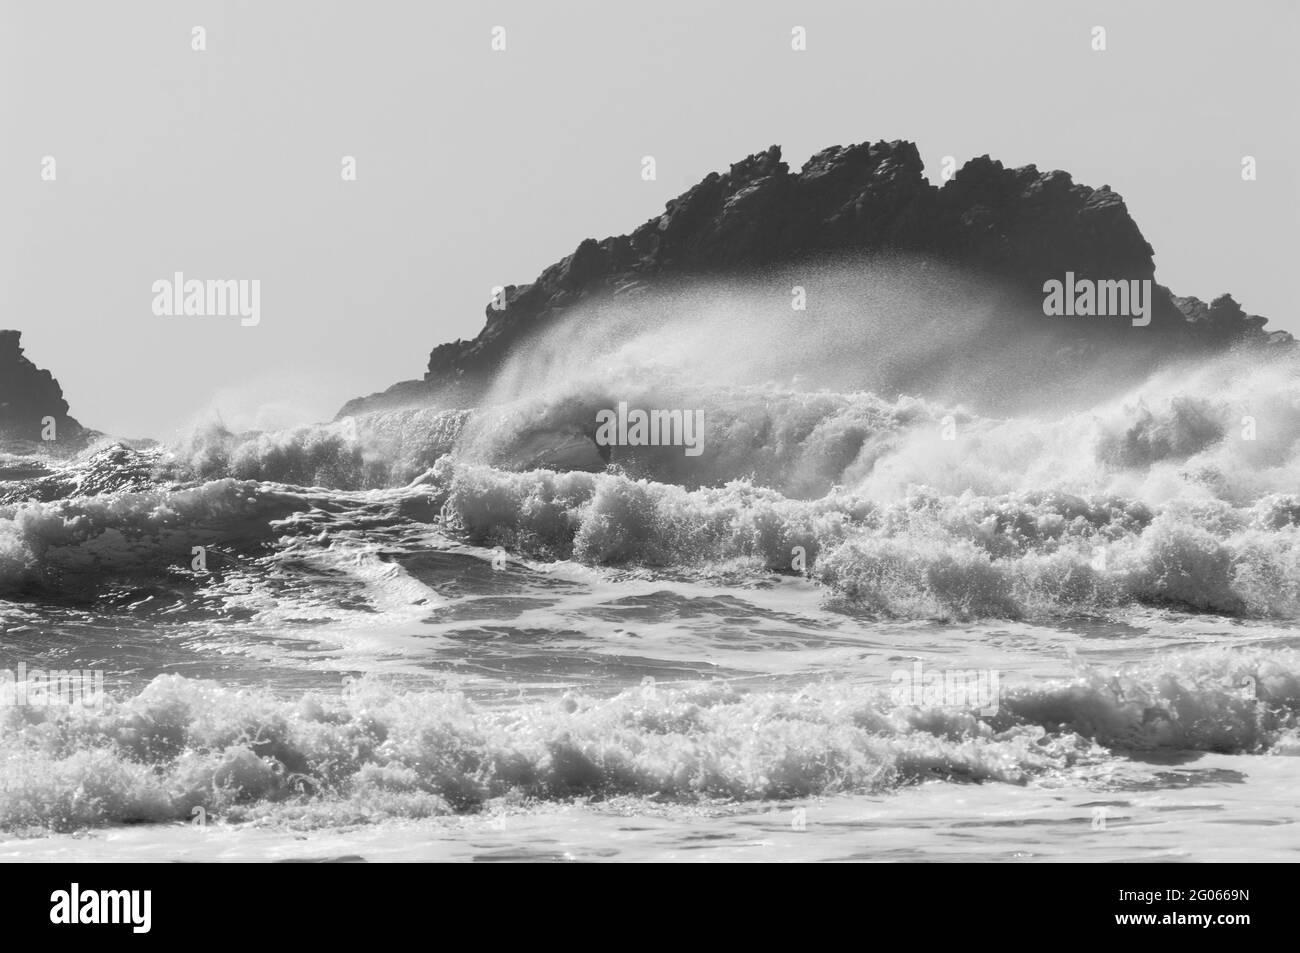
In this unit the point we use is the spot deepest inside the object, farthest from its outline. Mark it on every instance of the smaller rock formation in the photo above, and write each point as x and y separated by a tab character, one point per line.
30	397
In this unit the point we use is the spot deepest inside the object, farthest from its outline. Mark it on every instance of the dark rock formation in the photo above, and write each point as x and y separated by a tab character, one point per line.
1020	225
1224	319
29	395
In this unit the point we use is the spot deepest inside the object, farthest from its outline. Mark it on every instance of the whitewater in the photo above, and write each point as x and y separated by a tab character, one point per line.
476	633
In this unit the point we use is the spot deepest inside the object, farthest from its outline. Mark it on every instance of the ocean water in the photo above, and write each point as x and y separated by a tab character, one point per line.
857	627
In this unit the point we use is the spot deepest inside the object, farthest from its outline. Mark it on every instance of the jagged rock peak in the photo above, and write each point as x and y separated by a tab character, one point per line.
1021	225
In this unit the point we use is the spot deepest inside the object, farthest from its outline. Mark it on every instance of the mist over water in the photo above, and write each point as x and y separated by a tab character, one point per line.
887	325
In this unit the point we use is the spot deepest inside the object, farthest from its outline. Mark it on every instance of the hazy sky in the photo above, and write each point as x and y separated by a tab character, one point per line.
478	168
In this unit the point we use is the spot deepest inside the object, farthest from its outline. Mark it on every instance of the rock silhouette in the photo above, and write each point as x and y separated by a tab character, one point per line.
30	397
1021	225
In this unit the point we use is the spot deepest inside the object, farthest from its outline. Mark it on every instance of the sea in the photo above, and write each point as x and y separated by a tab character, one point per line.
860	626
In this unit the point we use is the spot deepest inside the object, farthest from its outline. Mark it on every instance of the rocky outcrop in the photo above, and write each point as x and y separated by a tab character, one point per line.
1224	320
30	397
1021	225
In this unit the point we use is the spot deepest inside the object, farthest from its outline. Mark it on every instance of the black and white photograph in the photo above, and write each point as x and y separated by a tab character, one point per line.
674	432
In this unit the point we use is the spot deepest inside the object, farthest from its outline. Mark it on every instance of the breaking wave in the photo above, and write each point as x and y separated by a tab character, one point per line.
998	494
376	753
1179	493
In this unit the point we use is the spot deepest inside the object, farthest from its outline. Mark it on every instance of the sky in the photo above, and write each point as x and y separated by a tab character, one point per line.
478	167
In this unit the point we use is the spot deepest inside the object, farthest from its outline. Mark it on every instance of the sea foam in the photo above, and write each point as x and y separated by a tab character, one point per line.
375	751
